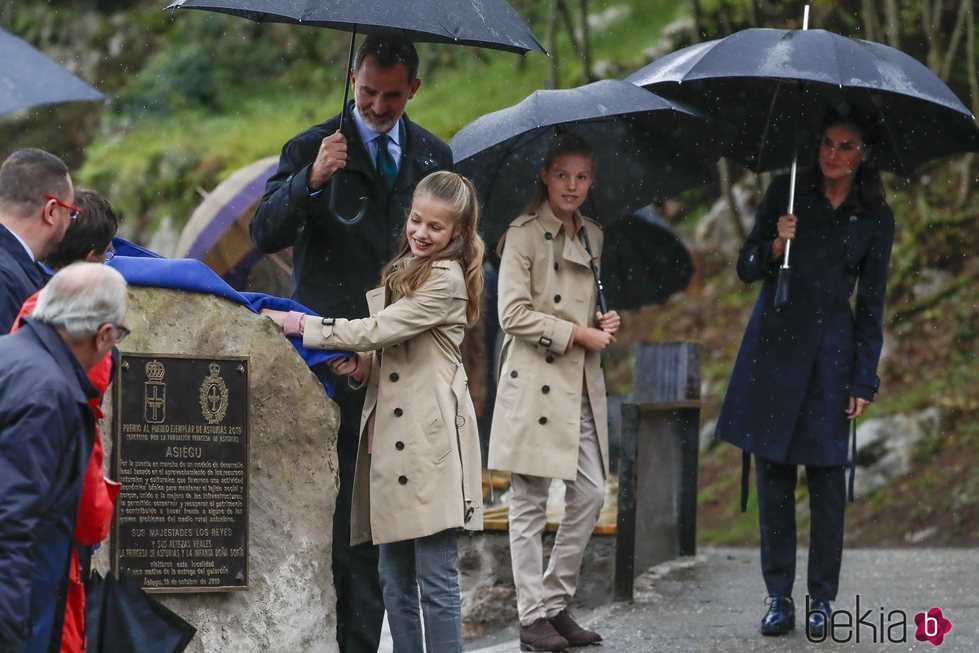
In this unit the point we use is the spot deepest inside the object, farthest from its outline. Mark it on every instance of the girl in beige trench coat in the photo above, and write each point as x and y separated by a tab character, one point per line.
550	419
418	474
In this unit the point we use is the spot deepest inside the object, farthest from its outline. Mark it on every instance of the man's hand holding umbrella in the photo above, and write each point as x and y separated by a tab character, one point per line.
332	156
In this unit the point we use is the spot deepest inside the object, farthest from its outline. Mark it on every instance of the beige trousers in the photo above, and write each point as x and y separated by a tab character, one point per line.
543	593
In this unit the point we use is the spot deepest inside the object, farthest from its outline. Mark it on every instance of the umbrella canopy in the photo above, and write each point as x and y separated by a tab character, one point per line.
217	232
482	23
645	148
28	78
768	82
120	616
644	261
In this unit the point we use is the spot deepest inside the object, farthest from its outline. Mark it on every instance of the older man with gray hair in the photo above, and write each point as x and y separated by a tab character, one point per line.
46	435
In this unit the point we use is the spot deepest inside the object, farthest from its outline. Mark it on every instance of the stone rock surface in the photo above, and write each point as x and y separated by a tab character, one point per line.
886	445
290	602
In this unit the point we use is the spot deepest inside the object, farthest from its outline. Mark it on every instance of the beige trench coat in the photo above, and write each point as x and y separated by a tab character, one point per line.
546	287
424	473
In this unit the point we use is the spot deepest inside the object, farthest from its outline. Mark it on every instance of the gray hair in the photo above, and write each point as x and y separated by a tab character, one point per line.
82	297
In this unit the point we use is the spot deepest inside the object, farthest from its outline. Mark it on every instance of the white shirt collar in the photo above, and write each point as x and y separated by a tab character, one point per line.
367	134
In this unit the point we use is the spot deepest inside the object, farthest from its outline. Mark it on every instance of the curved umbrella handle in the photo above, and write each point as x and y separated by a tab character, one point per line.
331	209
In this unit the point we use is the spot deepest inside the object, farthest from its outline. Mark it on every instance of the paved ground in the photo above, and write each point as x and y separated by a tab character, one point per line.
713	603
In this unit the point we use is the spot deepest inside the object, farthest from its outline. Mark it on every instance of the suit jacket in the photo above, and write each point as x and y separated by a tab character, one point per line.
423	474
20	277
546	287
335	264
46	440
797	367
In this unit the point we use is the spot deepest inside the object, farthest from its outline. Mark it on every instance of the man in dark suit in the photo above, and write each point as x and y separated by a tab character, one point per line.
36	198
47	430
375	161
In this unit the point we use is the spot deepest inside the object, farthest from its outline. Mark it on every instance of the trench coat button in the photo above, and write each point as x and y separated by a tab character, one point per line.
403	480
328	321
398	412
542	420
460	421
394	377
549	358
557	299
546	389
555	266
399	445
548	235
513	374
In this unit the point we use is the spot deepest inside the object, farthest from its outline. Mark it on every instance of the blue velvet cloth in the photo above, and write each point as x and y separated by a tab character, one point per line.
141	267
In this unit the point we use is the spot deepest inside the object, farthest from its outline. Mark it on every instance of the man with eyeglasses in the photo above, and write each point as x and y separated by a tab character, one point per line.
36	207
47	430
89	238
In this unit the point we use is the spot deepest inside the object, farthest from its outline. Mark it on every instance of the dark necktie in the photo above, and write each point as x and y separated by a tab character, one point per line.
386	165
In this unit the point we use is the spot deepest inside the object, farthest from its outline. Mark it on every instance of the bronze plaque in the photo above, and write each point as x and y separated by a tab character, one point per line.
181	454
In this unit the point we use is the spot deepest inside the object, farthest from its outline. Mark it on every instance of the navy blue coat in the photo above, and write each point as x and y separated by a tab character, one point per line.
20	277
798	367
47	429
334	265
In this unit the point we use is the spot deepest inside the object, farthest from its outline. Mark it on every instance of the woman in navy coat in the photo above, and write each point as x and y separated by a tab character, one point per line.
806	370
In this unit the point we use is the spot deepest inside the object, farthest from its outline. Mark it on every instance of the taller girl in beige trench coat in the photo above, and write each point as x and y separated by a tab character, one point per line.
550	418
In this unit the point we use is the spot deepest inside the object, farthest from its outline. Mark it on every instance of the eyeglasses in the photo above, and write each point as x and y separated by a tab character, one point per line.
120	332
844	146
73	212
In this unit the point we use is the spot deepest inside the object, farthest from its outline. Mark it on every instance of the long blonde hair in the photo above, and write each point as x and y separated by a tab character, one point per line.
405	272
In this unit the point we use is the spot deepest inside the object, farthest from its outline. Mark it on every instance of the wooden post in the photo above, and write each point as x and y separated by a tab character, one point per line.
657	503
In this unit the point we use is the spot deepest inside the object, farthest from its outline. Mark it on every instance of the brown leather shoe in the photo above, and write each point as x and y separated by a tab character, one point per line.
541	636
571	631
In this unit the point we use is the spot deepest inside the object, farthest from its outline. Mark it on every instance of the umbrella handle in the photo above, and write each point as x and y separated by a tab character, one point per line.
331	207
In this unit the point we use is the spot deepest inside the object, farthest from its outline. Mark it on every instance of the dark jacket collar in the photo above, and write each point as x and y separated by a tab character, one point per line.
49	339
11	244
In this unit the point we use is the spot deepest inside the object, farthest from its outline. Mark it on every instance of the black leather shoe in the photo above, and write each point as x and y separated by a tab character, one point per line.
780	617
818	616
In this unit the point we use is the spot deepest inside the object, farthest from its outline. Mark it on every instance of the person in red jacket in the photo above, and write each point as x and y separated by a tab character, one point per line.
88	238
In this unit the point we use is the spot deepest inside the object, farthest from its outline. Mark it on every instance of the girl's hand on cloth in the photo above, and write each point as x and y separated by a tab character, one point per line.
348	366
590	338
279	317
856	407
609	322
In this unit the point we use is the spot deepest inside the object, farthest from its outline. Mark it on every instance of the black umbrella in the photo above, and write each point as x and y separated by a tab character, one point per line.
775	87
120	616
643	262
29	78
765	82
645	148
482	23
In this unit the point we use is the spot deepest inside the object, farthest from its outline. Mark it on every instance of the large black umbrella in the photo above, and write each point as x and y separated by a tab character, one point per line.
645	148
29	78
644	261
767	82
775	87
481	23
